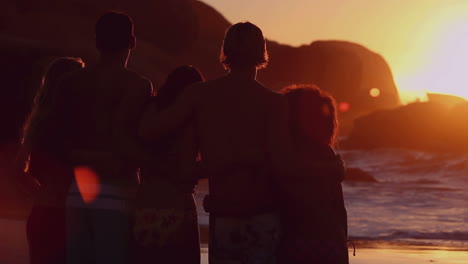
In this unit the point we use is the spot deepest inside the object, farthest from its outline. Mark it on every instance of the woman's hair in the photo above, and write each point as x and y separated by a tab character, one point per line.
244	46
175	83
312	115
45	97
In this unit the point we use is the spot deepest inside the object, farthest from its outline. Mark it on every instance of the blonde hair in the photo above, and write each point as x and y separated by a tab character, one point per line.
44	100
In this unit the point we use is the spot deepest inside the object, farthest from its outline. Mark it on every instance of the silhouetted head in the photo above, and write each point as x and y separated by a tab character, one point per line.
46	95
53	74
114	33
312	114
175	83
244	46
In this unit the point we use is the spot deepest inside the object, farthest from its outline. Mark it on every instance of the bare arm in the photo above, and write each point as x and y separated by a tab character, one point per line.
154	125
23	179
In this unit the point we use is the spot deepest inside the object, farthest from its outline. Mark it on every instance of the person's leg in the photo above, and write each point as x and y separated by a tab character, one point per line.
78	236
57	234
35	226
111	236
46	235
188	234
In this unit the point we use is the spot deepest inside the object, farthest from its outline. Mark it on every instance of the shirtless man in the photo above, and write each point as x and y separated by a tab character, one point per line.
242	129
101	106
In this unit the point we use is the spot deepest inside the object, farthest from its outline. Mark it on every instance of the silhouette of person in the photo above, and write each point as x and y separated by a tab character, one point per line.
100	107
166	225
314	215
241	127
41	159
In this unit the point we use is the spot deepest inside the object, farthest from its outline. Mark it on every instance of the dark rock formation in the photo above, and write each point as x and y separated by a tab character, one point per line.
455	128
447	99
423	126
347	70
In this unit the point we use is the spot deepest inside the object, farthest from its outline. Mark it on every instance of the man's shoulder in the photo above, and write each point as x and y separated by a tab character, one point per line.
267	90
136	76
139	82
273	98
269	93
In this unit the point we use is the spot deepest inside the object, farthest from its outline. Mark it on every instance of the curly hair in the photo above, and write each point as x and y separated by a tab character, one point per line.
313	114
244	46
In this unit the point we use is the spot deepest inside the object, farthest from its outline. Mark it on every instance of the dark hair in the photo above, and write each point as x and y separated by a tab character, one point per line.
45	97
244	46
175	83
313	115
114	32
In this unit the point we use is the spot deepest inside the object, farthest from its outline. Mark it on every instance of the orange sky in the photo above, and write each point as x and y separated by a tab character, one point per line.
424	41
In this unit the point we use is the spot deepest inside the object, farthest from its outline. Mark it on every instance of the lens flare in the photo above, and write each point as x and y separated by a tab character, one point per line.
343	107
87	181
374	92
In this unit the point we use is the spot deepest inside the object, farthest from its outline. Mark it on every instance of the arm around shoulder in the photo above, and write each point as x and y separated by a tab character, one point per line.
156	124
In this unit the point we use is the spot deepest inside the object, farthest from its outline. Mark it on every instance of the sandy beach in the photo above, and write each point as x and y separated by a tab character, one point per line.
13	250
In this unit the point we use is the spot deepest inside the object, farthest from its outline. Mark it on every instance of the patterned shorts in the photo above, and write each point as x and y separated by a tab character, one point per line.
161	227
252	240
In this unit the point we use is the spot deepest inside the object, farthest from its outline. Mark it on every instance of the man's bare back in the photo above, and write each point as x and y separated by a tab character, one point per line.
101	106
232	119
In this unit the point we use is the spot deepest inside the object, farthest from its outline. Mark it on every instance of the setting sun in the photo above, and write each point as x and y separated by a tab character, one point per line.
447	67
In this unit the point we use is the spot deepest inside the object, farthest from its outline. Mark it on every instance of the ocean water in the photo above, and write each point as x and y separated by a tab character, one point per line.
420	198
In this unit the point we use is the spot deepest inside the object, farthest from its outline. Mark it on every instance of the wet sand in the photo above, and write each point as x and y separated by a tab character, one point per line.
410	255
14	250
397	255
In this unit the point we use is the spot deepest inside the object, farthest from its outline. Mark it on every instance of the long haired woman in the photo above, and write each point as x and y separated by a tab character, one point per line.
40	155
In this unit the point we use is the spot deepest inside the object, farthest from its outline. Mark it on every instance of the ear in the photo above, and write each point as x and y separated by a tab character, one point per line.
132	42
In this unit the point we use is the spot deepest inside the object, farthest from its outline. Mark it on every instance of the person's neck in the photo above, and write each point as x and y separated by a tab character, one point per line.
249	73
115	59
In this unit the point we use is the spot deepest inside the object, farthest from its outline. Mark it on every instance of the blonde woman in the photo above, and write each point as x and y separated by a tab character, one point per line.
41	158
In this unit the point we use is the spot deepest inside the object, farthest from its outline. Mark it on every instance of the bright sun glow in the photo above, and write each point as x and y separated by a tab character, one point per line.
447	68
